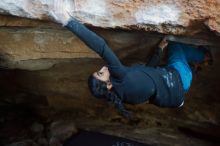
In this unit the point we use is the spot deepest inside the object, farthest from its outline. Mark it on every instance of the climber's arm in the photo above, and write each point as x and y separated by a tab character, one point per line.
62	15
155	59
97	44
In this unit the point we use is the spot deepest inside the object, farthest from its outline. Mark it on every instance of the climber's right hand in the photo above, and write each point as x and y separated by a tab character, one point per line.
163	44
61	10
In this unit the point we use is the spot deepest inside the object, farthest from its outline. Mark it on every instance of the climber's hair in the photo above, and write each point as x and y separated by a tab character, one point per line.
99	89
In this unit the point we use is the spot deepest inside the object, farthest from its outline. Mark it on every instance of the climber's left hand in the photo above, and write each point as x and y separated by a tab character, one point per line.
61	11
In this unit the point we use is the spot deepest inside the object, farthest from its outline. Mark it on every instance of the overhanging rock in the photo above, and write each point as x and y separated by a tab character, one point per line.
167	16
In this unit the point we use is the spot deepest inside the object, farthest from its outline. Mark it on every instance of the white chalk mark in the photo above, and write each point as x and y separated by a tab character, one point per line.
95	7
158	14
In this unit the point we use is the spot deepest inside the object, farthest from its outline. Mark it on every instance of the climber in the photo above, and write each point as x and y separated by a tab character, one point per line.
162	86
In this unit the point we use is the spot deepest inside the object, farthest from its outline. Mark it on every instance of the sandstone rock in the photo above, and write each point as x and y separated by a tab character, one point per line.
23	143
61	130
54	142
167	16
41	48
36	46
37	127
42	142
13	21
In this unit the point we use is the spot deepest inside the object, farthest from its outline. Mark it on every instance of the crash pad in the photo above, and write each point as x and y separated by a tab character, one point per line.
89	138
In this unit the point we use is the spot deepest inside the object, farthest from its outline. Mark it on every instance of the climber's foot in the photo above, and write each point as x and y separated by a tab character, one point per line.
208	60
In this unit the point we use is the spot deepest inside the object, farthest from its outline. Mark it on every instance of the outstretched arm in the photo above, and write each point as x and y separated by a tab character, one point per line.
97	44
155	59
91	39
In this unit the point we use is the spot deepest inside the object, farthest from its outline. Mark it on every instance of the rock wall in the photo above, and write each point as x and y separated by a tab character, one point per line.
36	45
167	16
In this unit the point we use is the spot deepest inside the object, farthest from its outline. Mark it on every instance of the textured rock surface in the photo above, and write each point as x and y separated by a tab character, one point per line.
35	45
167	16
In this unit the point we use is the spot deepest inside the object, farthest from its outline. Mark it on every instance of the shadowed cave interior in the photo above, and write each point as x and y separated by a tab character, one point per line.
43	97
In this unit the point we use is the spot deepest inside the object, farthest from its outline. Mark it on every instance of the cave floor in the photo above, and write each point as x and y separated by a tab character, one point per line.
197	123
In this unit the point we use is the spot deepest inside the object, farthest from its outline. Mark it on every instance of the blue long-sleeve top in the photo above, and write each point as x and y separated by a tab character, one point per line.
138	83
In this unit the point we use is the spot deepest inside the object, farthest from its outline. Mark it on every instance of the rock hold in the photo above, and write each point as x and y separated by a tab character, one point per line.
61	130
168	16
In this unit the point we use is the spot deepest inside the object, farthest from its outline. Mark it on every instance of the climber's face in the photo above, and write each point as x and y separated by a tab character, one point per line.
103	75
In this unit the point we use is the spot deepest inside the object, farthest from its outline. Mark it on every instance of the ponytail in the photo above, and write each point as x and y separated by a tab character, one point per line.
114	99
99	89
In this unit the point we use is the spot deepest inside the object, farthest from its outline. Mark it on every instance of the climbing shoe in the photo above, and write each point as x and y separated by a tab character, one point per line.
208	60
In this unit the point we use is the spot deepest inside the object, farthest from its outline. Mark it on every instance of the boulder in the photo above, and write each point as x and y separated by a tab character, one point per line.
61	131
38	45
167	16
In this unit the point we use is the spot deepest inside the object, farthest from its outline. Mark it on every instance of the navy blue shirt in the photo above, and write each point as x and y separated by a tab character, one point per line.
138	83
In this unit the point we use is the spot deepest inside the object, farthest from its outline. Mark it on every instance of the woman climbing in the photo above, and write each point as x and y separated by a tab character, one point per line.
162	86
